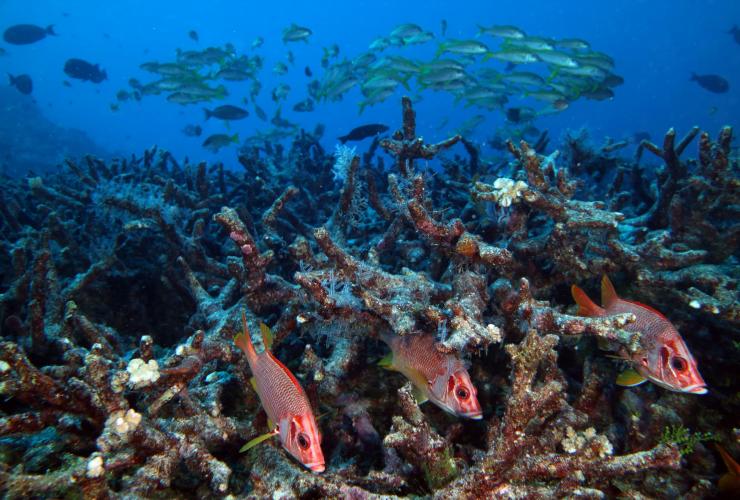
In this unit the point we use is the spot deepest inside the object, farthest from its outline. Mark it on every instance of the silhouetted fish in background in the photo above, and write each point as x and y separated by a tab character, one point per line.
217	141
226	112
712	83
192	130
24	34
23	83
363	132
735	32
85	71
193	35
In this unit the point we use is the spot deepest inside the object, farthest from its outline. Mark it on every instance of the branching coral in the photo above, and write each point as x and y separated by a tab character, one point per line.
121	284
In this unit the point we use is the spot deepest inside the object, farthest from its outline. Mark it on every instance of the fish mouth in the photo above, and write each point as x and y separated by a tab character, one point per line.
317	467
696	389
474	415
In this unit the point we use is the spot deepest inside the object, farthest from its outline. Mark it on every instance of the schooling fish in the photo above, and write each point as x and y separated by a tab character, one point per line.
217	141
226	112
363	132
287	407
663	358
23	34
437	377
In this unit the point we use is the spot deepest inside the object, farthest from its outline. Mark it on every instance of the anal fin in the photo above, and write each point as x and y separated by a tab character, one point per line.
630	378
419	395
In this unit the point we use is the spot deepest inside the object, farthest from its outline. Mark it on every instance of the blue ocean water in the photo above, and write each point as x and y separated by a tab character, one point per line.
656	44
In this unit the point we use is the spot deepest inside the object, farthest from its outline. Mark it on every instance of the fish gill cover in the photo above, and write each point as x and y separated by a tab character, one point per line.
418	200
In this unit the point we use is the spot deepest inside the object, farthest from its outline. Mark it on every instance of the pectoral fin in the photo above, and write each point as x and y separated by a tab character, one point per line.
419	395
267	336
386	361
254	442
253	383
630	378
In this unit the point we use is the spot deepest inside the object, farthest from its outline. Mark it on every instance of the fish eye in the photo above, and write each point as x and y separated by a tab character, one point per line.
463	393
679	364
303	441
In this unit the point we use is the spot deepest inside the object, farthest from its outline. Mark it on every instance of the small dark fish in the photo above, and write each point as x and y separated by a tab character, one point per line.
114	107
193	35
444	27
612	80
735	32
281	122
23	83
3	52
123	95
23	34
363	132
304	106
291	57
307	71
85	71
712	83
192	130
66	83
514	115
599	94
260	113
226	112
217	141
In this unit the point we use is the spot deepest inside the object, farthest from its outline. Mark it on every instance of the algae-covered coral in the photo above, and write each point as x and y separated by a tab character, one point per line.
123	285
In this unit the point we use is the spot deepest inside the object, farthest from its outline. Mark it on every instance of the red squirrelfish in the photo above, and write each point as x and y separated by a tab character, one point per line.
285	402
663	358
438	377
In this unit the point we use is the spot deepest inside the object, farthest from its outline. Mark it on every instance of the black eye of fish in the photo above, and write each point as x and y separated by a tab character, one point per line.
679	364
463	393
303	441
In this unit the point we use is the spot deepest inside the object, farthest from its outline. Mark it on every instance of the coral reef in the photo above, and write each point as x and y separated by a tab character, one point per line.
122	284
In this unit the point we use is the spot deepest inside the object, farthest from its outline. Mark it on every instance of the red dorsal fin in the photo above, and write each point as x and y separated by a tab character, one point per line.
586	306
608	293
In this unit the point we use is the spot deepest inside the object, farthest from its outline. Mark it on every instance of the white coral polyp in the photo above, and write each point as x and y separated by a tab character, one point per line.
95	467
507	191
141	373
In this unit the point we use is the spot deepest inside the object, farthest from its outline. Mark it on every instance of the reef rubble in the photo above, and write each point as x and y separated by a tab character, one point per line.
122	285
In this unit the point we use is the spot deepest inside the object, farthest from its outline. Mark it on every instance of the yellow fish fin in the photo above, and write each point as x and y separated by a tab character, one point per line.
266	336
386	361
630	378
254	442
419	395
271	425
253	383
